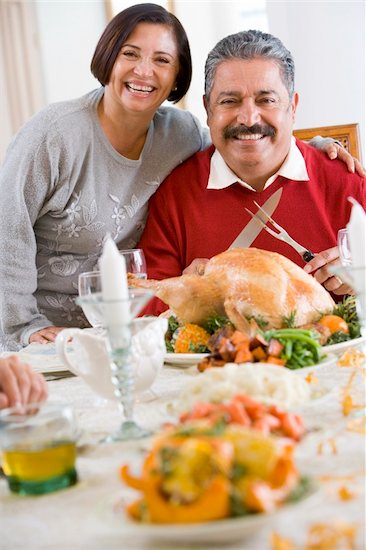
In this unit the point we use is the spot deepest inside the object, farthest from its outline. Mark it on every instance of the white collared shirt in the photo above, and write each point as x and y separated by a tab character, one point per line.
293	167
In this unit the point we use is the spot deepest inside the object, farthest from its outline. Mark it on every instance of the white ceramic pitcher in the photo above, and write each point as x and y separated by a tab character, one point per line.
89	357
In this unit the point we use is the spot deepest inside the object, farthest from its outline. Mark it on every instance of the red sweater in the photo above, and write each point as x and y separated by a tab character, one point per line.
187	221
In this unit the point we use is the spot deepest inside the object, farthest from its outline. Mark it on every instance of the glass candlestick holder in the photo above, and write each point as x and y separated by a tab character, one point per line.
118	316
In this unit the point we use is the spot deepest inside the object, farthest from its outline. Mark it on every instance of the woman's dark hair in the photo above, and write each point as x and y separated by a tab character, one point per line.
119	29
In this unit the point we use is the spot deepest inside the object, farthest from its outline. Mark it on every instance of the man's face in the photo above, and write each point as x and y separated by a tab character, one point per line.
250	116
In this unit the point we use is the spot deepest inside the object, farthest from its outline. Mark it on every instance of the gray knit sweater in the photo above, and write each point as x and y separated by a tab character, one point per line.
62	188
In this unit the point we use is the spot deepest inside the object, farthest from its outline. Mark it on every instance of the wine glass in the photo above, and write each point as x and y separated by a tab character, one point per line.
135	262
344	247
90	284
119	349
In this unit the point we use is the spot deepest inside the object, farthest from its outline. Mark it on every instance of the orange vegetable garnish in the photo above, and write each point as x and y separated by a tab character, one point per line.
190	337
332	536
276	361
321	536
334	323
345	494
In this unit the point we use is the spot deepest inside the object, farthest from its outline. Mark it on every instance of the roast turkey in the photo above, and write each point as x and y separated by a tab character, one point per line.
244	283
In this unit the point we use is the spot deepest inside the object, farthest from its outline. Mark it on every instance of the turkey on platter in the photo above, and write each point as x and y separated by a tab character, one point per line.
244	283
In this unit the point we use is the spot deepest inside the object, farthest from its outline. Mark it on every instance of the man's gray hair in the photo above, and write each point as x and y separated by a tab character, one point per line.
250	45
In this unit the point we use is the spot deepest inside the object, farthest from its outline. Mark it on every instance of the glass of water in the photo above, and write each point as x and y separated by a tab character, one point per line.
135	262
90	283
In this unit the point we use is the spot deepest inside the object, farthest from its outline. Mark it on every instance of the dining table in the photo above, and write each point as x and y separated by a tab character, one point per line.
90	515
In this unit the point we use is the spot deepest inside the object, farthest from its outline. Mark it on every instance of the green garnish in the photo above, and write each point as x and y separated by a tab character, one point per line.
348	311
198	348
338	337
214	323
172	324
237	507
262	323
300	491
289	322
237	471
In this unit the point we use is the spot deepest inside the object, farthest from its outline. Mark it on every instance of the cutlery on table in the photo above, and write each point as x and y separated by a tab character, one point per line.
282	234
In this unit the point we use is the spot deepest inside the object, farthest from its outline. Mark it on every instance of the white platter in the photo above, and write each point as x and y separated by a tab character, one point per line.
188	359
342	346
184	359
225	531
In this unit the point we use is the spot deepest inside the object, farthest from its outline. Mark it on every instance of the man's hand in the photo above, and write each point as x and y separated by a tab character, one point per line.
319	266
45	335
19	384
197	267
333	150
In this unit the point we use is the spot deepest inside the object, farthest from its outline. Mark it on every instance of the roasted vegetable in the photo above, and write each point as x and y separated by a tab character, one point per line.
187	479
248	412
334	323
190	338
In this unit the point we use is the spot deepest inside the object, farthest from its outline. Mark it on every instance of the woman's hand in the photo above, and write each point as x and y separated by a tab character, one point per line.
334	150
45	335
19	384
319	266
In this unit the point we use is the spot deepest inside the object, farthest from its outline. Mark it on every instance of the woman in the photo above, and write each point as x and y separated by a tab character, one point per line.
84	168
19	384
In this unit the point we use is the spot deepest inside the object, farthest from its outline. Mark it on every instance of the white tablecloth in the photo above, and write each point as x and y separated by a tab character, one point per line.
82	517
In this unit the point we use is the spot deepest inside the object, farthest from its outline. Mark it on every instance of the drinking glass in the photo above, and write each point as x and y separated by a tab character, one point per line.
135	262
119	350
38	447
344	247
90	284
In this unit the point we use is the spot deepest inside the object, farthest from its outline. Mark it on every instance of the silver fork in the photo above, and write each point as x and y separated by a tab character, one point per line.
282	235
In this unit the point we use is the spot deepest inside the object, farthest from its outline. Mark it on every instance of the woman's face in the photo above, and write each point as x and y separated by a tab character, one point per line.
145	70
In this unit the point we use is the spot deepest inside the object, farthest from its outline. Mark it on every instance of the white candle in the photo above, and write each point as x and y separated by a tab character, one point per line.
114	285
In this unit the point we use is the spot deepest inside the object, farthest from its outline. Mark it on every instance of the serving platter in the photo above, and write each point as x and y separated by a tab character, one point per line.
342	346
328	360
184	359
225	531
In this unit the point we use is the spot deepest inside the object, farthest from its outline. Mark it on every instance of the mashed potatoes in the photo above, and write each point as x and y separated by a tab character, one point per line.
264	382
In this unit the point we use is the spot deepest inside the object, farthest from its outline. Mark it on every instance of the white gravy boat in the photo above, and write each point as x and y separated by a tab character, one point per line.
89	357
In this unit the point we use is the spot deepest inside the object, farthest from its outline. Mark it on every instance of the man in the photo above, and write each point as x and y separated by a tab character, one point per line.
199	210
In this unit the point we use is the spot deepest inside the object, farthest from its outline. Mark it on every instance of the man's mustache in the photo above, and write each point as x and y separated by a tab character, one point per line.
241	129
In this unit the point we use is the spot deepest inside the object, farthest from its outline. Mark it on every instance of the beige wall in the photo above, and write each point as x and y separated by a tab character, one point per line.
21	77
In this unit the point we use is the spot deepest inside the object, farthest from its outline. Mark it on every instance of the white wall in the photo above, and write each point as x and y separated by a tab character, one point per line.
206	23
68	34
327	40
